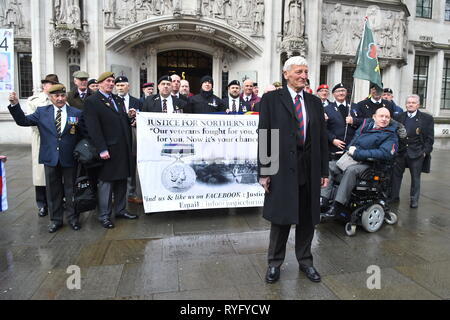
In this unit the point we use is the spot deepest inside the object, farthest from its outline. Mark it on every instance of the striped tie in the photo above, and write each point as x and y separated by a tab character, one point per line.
164	107
58	122
301	122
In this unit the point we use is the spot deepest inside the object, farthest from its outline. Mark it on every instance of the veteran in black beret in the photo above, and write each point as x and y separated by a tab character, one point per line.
366	108
58	125
164	101
109	128
233	103
206	101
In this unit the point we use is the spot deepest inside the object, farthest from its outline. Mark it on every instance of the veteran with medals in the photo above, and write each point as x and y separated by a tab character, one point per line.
58	125
109	128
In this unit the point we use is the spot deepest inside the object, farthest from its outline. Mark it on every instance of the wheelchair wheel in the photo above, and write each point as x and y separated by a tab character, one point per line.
372	218
350	229
391	218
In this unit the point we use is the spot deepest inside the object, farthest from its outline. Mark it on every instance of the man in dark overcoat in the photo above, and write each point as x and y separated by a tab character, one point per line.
415	150
292	178
164	101
108	126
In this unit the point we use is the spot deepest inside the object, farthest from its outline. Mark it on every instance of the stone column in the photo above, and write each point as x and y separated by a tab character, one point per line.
95	51
434	86
152	65
313	22
334	73
407	79
361	90
217	71
391	75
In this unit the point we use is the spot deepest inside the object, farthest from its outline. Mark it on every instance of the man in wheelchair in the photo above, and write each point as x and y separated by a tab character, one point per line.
375	143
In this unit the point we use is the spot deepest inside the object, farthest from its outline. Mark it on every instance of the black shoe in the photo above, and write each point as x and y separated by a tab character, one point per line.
127	215
414	204
330	214
42	212
75	225
54	227
107	224
311	273
272	274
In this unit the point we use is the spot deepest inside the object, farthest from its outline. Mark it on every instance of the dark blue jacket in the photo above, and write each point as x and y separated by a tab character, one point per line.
53	148
336	126
380	144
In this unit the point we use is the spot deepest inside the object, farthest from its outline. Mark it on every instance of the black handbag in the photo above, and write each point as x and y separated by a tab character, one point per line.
85	193
86	154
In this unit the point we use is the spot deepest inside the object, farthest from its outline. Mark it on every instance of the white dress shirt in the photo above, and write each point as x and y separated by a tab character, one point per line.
63	116
169	103
126	100
412	115
230	103
244	97
305	116
375	101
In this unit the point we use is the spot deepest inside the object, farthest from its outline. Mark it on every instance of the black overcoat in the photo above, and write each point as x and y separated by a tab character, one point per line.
109	130
281	205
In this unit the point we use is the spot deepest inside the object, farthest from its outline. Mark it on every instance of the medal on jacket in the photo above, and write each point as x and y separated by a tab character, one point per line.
178	177
213	104
244	109
72	121
418	131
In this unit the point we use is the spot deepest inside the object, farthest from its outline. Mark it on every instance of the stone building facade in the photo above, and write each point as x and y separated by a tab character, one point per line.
230	39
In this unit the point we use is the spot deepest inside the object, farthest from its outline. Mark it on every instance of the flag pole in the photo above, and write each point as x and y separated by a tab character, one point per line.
353	87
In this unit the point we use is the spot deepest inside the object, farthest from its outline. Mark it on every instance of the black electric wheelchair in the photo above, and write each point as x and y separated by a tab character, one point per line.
368	206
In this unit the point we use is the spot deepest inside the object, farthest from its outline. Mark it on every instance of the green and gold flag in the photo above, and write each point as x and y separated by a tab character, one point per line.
367	66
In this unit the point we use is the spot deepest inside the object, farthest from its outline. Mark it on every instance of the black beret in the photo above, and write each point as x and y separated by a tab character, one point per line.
374	85
338	86
234	83
92	81
164	78
388	90
121	79
255	84
207	79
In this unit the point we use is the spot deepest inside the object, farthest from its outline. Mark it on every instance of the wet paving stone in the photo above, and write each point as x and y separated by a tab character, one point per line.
434	276
394	286
220	254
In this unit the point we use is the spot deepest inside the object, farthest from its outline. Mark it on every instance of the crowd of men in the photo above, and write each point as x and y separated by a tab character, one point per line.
103	110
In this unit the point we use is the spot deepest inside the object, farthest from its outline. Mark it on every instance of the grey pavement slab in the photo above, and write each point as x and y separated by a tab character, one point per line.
220	254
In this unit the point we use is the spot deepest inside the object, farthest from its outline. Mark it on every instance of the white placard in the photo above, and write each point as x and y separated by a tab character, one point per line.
6	60
196	161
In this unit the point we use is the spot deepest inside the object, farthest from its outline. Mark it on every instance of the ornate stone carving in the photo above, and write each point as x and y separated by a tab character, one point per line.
11	16
258	18
22	44
57	36
67	14
109	9
294	19
342	28
169	27
205	30
294	40
67	24
246	15
134	37
238	43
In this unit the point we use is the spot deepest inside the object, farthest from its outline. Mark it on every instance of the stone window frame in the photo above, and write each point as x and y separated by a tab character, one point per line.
25	75
73	64
421	61
421	7
445	96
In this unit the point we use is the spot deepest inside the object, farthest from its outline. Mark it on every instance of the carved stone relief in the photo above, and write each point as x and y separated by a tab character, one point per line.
11	15
342	28
247	15
205	30
67	24
294	40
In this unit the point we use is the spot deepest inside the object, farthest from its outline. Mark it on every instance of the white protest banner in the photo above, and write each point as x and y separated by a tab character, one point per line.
6	60
198	161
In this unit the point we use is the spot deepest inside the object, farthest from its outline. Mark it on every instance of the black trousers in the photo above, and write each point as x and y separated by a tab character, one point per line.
304	231
41	197
415	169
60	184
